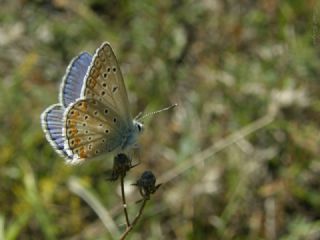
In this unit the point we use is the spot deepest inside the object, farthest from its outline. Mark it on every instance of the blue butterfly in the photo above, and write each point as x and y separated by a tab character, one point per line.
93	115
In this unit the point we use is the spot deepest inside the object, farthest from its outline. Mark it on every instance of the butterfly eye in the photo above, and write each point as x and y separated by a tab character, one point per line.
140	127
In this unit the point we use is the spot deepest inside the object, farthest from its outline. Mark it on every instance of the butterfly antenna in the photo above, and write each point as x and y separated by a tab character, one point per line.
140	117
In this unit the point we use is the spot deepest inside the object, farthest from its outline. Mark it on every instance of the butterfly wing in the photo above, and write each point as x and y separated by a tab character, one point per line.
73	79
91	128
104	82
51	121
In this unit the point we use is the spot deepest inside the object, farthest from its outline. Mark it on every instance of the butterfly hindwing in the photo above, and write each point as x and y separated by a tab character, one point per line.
91	129
51	121
73	79
104	82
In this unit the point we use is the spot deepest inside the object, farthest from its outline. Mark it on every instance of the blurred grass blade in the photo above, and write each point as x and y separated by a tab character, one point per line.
220	145
14	229
76	187
33	198
1	227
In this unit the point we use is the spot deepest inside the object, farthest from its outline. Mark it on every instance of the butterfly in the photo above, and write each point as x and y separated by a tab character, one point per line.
93	116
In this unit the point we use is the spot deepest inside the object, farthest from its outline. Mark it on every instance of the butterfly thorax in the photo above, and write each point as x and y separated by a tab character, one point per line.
130	140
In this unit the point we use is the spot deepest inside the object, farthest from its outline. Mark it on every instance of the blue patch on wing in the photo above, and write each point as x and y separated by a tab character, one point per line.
73	79
52	124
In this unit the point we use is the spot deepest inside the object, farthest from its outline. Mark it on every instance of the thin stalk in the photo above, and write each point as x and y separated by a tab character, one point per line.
124	201
135	220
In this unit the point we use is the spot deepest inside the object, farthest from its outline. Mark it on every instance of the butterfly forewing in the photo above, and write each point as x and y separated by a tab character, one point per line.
104	82
73	79
92	128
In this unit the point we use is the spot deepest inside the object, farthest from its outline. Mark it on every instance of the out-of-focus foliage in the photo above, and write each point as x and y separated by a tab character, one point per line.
226	63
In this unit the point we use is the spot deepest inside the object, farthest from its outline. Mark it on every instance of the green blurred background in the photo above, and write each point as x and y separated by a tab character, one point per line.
239	157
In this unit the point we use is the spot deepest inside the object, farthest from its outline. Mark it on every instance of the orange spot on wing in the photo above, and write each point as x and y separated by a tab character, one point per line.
72	132
72	124
83	153
92	82
77	140
84	106
75	115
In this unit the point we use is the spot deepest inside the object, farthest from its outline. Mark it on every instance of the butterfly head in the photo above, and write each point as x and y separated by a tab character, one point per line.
138	126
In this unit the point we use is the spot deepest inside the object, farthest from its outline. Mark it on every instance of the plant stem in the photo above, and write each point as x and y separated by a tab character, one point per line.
135	220
124	202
